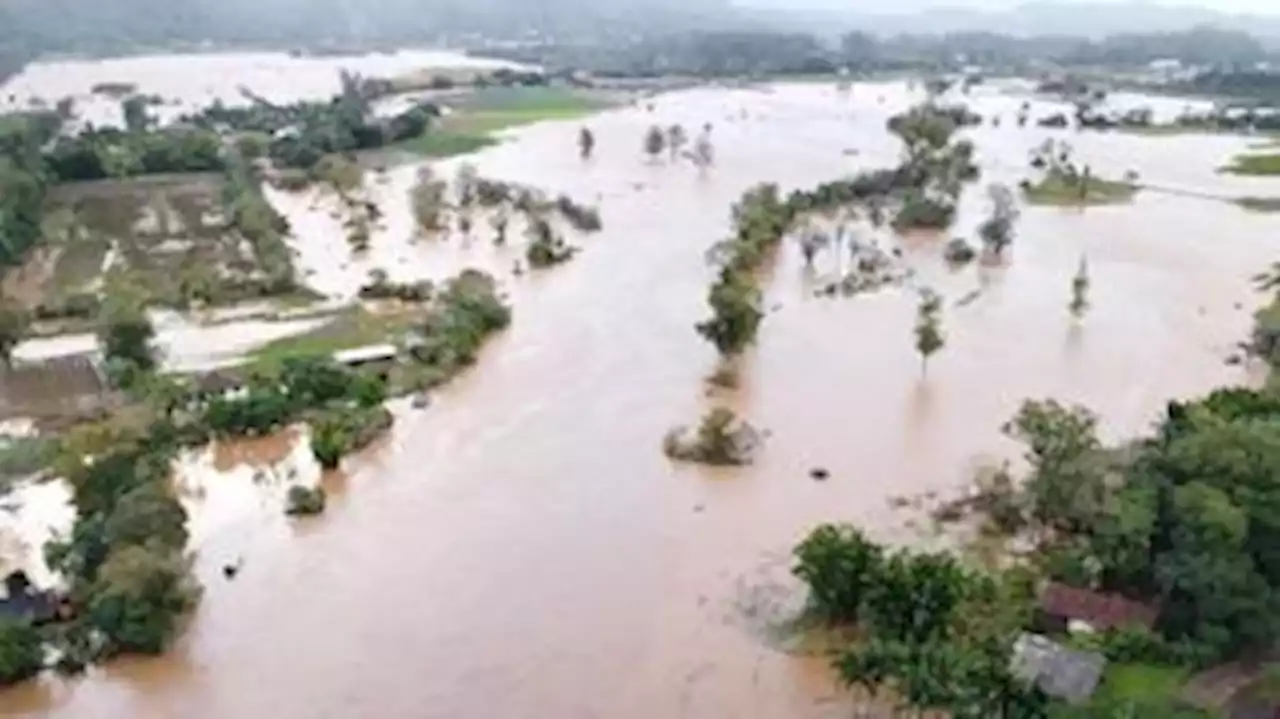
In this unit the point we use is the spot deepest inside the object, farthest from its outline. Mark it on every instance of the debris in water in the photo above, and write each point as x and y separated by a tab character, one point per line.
421	401
819	474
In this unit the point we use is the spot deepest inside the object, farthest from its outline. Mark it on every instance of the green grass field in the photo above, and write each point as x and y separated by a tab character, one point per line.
474	121
1258	165
352	328
1137	690
1054	190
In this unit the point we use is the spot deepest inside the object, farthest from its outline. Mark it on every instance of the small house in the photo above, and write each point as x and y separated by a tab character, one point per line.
1063	608
1062	673
24	601
378	359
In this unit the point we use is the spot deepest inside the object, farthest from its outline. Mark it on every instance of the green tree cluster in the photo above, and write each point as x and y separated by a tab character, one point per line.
935	633
131	583
1184	520
21	650
271	400
761	218
463	315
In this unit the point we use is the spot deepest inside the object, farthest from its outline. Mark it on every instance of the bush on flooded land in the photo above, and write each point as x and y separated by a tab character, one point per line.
546	247
428	198
580	217
380	287
721	439
305	501
337	432
141	595
21	650
271	401
463	315
959	252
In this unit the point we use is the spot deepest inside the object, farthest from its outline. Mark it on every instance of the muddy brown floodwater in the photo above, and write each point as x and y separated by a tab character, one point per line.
524	549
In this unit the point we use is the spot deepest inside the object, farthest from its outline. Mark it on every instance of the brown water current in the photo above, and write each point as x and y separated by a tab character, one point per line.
523	549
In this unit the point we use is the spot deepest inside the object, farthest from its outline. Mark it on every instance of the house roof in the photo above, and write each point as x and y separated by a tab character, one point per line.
1060	672
23	601
369	353
51	386
1101	611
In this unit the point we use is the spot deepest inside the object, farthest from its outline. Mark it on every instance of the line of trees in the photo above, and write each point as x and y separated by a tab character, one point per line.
922	192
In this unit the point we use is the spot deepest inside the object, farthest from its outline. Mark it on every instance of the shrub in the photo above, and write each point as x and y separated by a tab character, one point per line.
305	501
21	650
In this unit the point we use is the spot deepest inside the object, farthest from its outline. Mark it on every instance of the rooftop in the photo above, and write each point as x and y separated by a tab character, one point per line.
1100	611
1059	672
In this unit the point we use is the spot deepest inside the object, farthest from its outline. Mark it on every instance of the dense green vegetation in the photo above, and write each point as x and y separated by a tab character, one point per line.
24	181
21	457
932	633
301	134
130	579
21	651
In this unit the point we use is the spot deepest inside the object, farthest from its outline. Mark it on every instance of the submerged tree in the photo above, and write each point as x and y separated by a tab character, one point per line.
134	111
586	143
736	314
429	202
676	139
13	327
1080	290
720	439
655	141
997	231
812	242
499	223
703	151
928	329
465	181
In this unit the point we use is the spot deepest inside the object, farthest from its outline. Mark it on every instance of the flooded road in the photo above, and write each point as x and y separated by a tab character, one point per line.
523	549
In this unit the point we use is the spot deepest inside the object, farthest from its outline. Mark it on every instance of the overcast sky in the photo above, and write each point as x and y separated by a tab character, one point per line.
1268	7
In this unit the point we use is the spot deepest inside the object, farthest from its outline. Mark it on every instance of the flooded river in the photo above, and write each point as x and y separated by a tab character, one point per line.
523	549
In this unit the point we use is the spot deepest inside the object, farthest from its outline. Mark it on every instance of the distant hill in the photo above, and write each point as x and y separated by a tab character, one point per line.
1083	19
106	25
